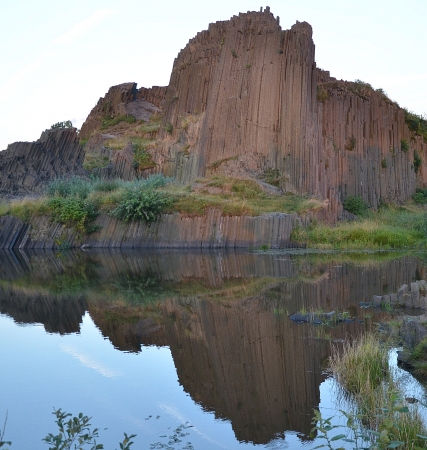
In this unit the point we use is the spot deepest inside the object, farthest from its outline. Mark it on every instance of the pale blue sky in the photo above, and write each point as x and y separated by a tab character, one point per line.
58	57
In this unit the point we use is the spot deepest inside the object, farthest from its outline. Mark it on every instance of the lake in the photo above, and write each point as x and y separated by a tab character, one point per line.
147	341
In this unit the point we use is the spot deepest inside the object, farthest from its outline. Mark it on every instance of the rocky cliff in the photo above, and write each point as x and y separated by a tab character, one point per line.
263	105
26	167
245	98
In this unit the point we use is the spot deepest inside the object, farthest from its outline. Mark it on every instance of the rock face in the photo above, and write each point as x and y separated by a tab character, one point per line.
245	98
123	100
212	230
26	167
263	105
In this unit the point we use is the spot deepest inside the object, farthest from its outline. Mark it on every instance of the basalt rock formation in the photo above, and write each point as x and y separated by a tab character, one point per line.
123	100
212	230
245	98
26	167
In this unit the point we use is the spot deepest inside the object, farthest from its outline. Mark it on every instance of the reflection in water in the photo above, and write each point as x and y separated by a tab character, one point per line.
223	315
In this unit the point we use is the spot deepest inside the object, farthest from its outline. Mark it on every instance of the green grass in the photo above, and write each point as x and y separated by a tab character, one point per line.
95	161
237	197
416	123
362	370
4	208
27	208
389	228
361	366
150	127
109	122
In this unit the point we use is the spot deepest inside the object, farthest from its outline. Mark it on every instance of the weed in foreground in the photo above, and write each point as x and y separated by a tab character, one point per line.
361	366
382	418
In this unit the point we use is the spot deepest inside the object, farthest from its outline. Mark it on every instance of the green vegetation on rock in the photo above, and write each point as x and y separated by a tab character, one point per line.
109	122
389	228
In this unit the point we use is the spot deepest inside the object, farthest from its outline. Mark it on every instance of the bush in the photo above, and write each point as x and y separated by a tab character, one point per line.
416	123
420	196
322	94
351	144
142	159
73	211
417	161
141	204
404	145
66	124
169	127
355	205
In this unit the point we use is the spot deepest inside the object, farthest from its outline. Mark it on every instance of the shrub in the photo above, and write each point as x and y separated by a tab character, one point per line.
420	196
355	205
66	124
271	176
141	158
141	204
73	211
404	145
322	94
416	123
233	52
384	163
359	84
169	127
417	161
352	144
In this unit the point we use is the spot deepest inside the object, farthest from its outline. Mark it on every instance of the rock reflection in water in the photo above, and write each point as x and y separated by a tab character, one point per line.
224	316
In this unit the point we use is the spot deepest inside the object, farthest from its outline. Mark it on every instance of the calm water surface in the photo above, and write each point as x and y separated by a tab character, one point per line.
146	341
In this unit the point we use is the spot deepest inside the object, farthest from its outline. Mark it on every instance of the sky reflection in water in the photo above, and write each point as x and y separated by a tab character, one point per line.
169	338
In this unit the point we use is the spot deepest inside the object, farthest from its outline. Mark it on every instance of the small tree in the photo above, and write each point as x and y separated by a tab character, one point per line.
66	124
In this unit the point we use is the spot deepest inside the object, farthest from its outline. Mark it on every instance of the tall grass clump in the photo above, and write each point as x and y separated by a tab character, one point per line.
361	366
362	370
69	187
389	228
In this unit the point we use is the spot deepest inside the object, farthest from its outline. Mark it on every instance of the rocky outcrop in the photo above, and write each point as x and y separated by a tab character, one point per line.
213	230
26	167
123	100
265	107
245	98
